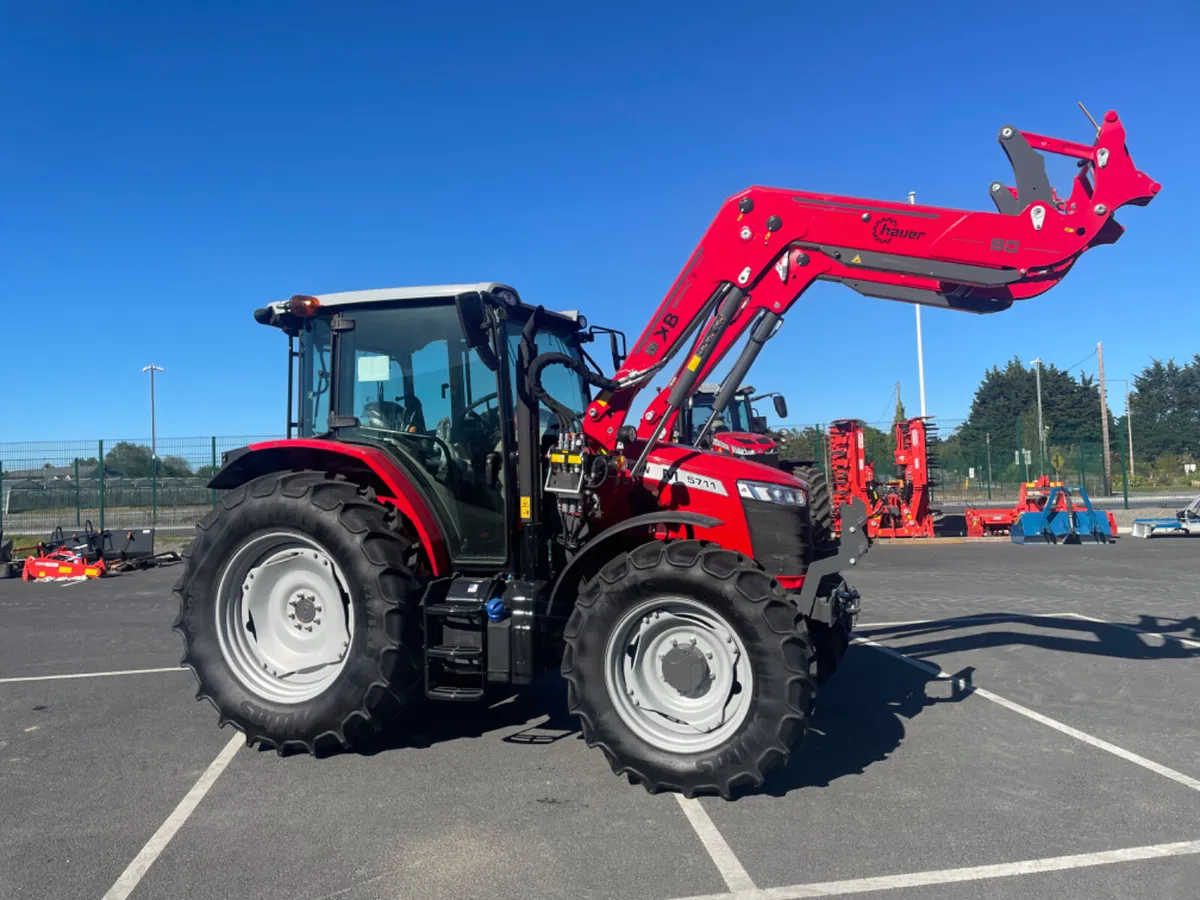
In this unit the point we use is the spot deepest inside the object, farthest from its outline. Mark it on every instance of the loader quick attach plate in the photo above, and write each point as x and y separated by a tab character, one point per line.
819	596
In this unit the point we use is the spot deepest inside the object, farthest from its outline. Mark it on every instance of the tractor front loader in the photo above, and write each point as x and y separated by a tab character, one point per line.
465	506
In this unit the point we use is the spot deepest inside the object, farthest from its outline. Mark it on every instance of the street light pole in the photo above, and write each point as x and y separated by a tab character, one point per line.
1041	428
912	200
152	368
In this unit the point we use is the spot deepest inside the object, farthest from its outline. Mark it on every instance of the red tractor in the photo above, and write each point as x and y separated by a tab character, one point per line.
734	428
466	507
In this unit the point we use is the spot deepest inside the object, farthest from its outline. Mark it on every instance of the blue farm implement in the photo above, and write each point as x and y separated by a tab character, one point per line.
1062	520
1186	521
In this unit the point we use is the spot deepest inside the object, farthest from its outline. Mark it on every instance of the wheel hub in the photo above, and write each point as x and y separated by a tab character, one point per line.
304	608
678	674
686	670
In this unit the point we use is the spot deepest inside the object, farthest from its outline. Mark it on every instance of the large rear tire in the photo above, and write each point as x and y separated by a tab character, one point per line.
689	668
298	611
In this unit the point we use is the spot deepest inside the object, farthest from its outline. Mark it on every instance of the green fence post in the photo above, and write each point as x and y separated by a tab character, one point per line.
101	459
214	468
1082	468
154	490
77	510
989	460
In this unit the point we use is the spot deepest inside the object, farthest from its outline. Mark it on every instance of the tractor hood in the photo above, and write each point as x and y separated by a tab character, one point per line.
706	471
742	443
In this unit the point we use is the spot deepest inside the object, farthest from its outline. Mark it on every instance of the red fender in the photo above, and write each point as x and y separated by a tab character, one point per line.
362	464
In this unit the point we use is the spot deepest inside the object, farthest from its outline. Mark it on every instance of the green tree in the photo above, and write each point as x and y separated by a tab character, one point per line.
135	461
1165	406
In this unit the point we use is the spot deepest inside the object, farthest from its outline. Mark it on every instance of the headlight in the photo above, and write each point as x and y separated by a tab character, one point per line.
772	493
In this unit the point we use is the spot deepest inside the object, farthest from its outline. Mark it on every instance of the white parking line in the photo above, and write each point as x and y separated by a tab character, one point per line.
736	877
1187	642
969	873
91	675
1128	756
135	871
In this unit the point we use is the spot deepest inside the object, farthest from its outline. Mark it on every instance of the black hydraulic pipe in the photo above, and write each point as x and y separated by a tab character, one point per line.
685	380
758	338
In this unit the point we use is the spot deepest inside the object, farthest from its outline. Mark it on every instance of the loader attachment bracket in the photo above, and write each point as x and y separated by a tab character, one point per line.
824	589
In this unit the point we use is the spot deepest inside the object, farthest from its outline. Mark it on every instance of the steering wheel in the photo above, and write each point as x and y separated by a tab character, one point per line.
470	410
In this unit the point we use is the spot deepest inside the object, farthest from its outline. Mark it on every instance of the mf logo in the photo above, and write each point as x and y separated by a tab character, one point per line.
886	228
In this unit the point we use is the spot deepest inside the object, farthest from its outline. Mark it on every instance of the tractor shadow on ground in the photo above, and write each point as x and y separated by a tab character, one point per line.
430	723
1063	634
859	720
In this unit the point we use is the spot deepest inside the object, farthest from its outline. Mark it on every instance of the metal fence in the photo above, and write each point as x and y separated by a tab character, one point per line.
983	468
109	483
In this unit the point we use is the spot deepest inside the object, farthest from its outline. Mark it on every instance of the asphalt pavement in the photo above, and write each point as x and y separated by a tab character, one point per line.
1016	722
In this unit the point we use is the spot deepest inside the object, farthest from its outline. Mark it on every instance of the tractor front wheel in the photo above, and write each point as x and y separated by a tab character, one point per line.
298	611
689	667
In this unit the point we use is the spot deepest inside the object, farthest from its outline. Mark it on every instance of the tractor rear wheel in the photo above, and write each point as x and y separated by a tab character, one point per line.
298	611
820	512
689	667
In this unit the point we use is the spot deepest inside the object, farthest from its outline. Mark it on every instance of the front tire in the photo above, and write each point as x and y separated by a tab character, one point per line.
719	682
298	611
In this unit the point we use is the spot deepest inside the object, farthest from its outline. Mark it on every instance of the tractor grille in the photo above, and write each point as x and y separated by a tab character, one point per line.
779	536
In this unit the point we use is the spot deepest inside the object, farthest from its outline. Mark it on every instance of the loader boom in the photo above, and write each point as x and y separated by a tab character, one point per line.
766	246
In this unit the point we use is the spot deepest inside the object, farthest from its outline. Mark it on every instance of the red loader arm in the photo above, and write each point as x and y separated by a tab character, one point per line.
767	245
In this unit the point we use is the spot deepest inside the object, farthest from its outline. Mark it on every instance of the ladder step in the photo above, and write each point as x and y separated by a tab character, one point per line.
454	693
454	609
453	651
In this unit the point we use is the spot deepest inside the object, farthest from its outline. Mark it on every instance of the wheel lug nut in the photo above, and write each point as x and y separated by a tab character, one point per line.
674	643
291	615
708	655
316	621
308	628
298	626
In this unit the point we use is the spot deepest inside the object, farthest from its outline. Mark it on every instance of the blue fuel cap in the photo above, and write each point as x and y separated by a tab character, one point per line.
495	609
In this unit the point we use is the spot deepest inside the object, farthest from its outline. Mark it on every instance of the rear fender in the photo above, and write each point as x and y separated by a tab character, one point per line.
366	466
607	544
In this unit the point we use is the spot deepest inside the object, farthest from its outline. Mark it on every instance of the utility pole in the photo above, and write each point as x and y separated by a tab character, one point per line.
1104	416
152	368
912	200
1129	426
1041	428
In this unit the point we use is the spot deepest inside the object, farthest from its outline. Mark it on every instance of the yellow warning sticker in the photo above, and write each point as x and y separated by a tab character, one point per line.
857	259
574	460
693	363
557	457
526	508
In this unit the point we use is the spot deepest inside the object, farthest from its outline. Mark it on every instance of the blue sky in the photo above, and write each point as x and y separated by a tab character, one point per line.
166	168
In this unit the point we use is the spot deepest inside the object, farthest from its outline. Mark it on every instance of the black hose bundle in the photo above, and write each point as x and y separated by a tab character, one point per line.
566	416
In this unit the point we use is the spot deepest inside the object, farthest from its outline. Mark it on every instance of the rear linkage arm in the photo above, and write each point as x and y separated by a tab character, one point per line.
766	246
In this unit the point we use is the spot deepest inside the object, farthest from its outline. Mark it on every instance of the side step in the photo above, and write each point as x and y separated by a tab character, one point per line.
455	621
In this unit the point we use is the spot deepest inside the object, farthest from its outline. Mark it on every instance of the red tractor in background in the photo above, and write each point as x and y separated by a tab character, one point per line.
900	507
466	507
736	429
1032	497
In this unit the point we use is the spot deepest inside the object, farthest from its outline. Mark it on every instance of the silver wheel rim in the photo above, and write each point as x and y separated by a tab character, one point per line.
678	675
284	623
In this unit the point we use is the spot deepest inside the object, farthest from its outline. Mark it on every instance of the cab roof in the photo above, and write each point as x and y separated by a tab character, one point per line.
421	292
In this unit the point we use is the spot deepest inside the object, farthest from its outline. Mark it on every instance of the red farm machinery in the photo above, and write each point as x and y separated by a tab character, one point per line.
1031	498
466	506
899	507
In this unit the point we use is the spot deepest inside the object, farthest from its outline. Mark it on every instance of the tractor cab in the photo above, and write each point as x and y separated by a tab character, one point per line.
397	369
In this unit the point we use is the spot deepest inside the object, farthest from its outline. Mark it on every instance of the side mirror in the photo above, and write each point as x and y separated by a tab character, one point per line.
472	317
617	356
780	406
